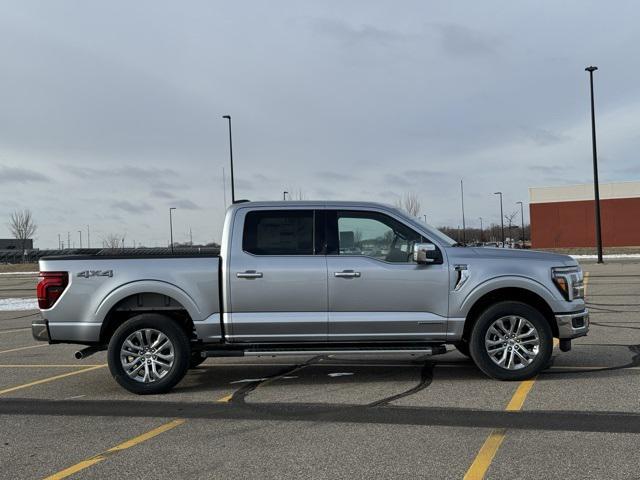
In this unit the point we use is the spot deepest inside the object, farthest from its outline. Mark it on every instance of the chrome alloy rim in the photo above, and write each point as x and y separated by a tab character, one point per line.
147	355
512	342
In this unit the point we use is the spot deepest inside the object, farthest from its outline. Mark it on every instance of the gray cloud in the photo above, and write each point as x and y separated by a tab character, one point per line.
543	137
123	173
184	204
462	41
335	176
21	175
130	207
350	35
162	194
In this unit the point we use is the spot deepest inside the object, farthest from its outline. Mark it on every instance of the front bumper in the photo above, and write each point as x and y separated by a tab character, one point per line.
572	325
40	330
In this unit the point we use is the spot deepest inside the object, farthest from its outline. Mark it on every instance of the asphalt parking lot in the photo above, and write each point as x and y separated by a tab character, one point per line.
331	417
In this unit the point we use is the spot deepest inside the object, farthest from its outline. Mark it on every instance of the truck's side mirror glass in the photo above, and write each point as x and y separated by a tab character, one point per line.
425	253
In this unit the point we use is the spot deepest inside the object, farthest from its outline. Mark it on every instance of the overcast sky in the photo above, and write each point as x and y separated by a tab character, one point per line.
110	112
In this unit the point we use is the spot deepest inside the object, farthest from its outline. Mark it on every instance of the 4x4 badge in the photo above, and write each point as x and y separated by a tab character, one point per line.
96	273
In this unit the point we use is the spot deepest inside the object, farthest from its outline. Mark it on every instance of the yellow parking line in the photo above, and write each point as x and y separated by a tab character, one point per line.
49	379
481	463
25	348
485	456
520	396
225	399
118	448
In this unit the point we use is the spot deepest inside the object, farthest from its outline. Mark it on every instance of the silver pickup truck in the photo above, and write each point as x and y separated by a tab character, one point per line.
302	278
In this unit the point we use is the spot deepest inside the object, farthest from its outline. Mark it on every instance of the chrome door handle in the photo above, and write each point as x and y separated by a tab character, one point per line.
249	274
347	274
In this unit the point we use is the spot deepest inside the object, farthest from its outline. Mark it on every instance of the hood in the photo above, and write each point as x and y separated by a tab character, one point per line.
516	254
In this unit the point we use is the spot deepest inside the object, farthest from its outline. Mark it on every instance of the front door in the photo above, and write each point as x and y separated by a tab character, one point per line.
277	284
376	291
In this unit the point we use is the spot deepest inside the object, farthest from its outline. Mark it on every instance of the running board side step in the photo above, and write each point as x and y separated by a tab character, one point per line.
258	352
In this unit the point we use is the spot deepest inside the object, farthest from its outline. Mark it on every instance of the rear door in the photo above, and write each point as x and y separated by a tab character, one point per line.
376	290
277	276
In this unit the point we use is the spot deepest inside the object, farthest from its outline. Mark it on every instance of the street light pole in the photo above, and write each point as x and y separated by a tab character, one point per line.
88	238
596	187
425	218
501	217
522	219
284	195
171	226
233	191
481	229
80	233
464	240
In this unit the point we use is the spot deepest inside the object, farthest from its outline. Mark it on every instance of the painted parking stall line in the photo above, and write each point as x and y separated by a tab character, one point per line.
49	379
84	464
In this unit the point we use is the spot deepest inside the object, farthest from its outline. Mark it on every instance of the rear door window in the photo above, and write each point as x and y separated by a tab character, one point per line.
279	232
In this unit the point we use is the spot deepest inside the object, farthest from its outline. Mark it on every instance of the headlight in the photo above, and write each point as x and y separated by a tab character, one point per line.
570	282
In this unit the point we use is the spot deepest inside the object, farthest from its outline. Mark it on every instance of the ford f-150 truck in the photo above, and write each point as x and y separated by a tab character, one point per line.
298	278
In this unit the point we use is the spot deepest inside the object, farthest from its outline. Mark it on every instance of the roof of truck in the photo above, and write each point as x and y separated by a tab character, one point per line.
309	203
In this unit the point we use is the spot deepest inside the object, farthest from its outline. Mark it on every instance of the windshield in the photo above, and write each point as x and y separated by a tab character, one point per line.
433	232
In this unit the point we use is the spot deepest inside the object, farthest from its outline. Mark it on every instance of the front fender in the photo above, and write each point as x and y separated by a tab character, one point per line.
148	286
508	281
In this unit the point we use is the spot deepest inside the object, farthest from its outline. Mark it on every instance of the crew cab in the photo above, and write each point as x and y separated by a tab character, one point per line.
297	278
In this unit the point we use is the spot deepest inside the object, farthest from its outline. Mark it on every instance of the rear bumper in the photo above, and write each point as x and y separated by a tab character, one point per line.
40	330
573	325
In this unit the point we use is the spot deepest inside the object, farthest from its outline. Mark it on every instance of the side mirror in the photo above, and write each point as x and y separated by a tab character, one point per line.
425	253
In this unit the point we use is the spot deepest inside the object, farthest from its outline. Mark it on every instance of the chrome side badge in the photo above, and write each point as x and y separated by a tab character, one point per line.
95	273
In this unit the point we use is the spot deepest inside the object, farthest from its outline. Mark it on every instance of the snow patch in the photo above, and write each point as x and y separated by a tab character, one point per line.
19	273
18	304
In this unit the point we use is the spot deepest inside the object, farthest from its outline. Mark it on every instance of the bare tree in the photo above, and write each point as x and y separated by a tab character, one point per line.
509	217
296	195
409	203
22	226
112	241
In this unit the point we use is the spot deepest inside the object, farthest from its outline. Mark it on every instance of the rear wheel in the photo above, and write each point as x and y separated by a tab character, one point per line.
511	341
149	354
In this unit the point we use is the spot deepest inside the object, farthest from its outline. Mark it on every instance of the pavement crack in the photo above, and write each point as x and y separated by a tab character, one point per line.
426	377
239	396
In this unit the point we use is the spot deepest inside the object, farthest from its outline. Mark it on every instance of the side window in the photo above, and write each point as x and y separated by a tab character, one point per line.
278	232
375	235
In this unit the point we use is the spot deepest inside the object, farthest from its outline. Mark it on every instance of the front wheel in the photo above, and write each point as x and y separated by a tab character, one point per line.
511	341
149	354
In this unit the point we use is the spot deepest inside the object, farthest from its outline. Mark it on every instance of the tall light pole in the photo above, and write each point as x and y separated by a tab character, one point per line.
59	243
425	218
233	191
501	217
522	219
284	195
88	238
596	186
481	229
80	233
464	240
171	226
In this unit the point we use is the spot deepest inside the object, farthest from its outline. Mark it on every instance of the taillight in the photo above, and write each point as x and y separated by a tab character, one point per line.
50	287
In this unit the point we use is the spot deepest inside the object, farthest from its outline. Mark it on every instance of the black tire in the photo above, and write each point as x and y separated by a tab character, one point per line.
463	348
196	359
181	353
482	358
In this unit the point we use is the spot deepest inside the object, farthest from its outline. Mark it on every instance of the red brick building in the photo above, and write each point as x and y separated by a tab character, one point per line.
564	216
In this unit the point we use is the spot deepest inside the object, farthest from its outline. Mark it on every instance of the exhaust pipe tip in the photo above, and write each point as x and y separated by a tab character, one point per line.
79	355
